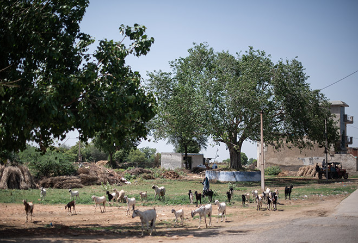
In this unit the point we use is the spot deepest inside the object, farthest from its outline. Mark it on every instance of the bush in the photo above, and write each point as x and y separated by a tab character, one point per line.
272	170
52	163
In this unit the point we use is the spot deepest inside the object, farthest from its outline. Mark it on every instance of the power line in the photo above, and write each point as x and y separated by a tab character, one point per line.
340	80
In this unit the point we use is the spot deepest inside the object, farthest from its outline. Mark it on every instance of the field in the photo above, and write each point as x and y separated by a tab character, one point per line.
51	221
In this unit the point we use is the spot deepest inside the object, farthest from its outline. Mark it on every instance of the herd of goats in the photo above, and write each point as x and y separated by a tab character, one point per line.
149	216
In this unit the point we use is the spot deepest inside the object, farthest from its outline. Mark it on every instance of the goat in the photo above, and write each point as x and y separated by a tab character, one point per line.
258	200
160	191
69	205
99	200
145	217
29	208
130	203
288	191
197	197
111	196
178	214
191	197
254	193
274	198
229	194
208	193
115	194
243	198
143	195
42	193
277	192
74	194
203	211
221	210
268	200
121	196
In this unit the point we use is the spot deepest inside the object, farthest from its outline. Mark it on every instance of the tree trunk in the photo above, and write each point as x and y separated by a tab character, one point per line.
235	158
112	162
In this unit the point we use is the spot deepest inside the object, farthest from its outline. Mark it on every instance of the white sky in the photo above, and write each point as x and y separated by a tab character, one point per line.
323	34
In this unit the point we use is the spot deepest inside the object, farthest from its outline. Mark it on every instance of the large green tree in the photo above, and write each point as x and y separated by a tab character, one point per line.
178	118
233	90
50	84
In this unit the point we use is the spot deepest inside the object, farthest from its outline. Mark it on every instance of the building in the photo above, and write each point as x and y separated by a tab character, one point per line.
291	158
176	160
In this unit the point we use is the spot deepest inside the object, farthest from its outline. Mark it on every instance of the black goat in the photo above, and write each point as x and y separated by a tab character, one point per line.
110	197
274	200
229	194
69	205
208	193
243	197
197	197
288	191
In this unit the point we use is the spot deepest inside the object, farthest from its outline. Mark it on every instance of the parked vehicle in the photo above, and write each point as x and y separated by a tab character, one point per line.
335	171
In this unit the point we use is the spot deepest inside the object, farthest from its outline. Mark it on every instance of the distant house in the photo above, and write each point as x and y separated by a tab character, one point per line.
176	160
292	158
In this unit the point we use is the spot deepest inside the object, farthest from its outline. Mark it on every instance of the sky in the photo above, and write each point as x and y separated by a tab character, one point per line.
322	34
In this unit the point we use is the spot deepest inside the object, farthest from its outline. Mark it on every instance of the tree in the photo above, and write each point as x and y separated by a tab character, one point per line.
49	85
178	117
234	90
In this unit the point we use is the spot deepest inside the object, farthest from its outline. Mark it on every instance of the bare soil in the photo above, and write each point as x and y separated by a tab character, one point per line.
52	223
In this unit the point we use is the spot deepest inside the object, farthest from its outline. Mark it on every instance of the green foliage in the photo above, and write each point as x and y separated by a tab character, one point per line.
51	163
106	187
222	95
50	85
272	170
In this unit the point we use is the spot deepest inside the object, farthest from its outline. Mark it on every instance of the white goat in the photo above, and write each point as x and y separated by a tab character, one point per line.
121	196
254	193
130	202
42	193
99	200
74	194
146	217
258	202
115	194
143	195
159	191
221	210
178	214
29	208
203	211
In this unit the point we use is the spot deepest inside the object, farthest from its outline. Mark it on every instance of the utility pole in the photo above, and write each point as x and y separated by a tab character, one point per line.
79	154
326	150
262	166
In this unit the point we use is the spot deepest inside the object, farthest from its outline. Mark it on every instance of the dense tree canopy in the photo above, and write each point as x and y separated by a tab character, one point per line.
50	85
233	90
178	117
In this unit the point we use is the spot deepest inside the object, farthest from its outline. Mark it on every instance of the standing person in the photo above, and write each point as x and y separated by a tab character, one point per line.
324	164
206	184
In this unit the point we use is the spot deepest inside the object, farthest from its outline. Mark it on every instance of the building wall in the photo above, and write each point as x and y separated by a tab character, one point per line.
171	160
174	160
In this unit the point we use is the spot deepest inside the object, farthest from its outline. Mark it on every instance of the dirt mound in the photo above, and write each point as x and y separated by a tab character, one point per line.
16	177
170	175
61	182
138	171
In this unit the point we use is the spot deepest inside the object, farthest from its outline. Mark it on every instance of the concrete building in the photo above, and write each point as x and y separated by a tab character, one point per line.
291	158
176	160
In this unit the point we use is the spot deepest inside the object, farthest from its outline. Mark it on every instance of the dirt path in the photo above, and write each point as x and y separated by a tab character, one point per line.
90	226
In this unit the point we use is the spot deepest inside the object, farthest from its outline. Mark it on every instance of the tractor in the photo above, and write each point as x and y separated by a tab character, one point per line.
335	171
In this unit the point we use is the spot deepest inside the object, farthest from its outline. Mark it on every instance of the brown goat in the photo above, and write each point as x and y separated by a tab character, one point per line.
69	205
29	208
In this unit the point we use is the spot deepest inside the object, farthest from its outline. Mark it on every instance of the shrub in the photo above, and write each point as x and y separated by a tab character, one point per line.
272	170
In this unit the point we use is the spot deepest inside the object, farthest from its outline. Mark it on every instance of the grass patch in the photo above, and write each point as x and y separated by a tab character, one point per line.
177	190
